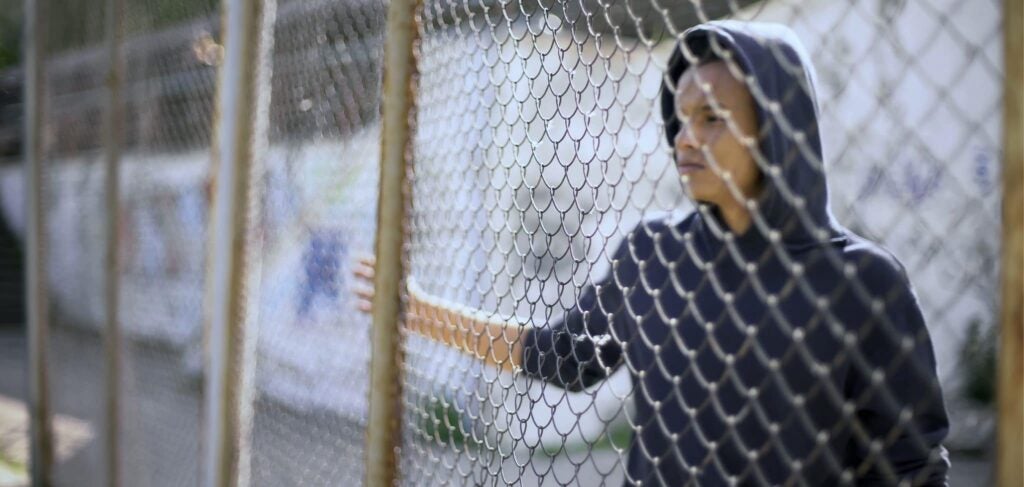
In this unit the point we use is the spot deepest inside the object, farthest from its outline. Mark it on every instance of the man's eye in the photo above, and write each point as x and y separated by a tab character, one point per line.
713	119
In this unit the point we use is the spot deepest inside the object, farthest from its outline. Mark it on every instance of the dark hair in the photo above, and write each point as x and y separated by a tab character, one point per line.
700	48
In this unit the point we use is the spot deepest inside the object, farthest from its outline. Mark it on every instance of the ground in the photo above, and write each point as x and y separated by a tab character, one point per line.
162	417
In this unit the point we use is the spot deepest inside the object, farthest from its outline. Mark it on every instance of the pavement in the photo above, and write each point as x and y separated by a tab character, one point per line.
161	420
161	426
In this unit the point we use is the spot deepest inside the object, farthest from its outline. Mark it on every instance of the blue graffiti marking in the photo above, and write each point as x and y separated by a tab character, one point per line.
909	181
321	263
984	170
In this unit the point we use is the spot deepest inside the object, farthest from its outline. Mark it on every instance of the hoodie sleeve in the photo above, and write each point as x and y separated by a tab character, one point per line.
580	350
902	413
585	347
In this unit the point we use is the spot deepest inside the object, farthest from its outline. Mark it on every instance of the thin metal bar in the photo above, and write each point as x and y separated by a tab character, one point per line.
243	107
384	424
35	248
1011	344
114	130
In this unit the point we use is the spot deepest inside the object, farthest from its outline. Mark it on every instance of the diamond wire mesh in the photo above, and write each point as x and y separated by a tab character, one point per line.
936	75
168	93
539	151
14	421
317	221
71	161
539	148
319	211
171	58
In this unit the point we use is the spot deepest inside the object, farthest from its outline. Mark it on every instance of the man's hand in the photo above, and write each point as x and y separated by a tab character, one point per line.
364	272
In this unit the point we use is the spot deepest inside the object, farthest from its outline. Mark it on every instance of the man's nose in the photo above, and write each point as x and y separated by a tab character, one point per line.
685	138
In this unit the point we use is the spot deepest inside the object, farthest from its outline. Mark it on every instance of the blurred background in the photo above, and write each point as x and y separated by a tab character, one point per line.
538	125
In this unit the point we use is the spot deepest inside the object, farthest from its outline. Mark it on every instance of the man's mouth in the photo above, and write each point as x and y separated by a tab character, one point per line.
689	167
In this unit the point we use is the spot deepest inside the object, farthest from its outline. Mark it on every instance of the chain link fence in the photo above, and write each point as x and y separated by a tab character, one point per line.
167	96
14	454
169	89
758	252
73	159
318	220
648	339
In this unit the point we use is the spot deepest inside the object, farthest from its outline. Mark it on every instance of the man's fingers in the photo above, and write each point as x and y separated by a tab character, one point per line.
365	267
363	293
364	300
364	273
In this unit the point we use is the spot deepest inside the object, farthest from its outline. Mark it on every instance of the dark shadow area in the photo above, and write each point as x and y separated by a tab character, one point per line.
12	279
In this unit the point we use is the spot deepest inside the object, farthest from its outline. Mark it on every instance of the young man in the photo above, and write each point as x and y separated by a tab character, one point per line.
767	344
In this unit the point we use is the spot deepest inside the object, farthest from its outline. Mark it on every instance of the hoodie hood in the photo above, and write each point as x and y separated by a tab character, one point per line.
794	200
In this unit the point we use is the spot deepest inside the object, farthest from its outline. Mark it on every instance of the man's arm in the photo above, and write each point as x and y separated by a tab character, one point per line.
580	350
573	353
496	342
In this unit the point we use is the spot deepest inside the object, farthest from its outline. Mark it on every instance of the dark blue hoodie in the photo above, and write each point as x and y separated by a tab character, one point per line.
795	353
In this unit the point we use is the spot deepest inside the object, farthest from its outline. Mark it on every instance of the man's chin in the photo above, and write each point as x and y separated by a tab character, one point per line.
696	194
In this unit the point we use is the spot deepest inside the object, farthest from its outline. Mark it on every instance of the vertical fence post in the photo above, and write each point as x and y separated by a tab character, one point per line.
113	134
1011	344
241	140
385	375
35	249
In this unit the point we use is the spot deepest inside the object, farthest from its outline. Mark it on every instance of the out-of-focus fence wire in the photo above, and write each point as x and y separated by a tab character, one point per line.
538	199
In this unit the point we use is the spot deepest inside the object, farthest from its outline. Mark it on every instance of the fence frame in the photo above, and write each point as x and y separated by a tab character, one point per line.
385	405
37	300
1010	419
239	144
113	136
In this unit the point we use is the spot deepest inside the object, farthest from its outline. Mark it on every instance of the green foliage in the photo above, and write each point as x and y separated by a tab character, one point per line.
442	422
11	469
978	360
10	33
617	436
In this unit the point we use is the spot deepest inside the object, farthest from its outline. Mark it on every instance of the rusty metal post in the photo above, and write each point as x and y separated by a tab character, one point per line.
37	301
241	140
1010	447
113	136
383	430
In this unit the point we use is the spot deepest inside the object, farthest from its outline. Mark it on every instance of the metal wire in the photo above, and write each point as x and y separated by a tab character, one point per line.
319	207
541	173
571	314
166	93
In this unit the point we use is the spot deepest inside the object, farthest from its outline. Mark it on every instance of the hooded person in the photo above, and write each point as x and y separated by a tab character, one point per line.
780	349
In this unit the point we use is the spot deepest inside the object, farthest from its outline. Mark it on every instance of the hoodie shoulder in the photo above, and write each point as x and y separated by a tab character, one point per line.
878	269
656	237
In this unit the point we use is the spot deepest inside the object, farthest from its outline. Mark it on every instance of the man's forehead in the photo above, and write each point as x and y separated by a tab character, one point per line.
714	77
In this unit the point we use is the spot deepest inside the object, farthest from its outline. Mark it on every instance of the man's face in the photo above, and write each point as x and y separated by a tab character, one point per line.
717	136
